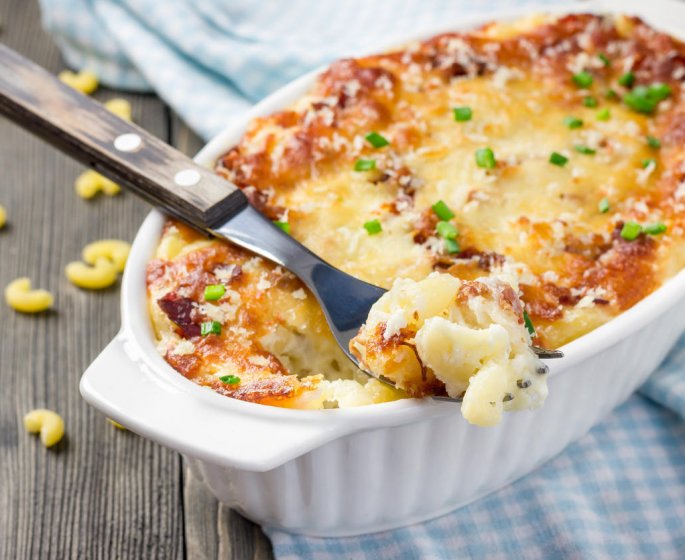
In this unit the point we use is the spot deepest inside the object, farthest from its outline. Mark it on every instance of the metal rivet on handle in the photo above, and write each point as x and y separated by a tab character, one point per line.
187	178
128	142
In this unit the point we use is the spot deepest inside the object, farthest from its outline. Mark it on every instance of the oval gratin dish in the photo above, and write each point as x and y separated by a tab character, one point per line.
350	471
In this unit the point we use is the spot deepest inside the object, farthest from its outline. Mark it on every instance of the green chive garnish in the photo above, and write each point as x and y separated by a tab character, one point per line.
630	231
611	94
582	79
557	159
529	324
230	379
485	158
654	229
644	99
373	227
376	140
590	101
659	91
627	80
210	327
364	164
573	122
214	292
463	114
604	58
653	142
603	206
285	226
452	246
603	114
584	150
647	162
447	230
442	211
639	100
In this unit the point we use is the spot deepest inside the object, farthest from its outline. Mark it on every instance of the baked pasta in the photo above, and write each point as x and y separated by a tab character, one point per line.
547	150
467	338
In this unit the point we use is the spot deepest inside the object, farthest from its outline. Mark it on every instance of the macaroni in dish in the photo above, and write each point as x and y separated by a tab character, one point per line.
546	151
465	337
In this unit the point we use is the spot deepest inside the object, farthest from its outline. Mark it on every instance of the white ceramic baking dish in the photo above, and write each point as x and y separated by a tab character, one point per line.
353	471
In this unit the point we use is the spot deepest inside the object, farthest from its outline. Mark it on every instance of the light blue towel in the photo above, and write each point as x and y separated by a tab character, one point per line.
619	492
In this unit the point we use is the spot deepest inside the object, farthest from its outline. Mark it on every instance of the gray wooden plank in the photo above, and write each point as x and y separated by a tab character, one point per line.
213	530
102	493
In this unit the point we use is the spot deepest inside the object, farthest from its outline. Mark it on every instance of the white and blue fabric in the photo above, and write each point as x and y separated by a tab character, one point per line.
617	493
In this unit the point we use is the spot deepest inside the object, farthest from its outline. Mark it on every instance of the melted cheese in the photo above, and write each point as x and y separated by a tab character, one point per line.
536	223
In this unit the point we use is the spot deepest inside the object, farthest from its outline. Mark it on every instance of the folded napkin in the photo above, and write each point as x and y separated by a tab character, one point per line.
617	493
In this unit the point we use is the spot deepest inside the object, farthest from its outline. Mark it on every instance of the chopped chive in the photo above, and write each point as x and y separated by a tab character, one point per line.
214	292
364	164
557	159
630	231
376	140
581	149
463	114
447	230
627	80
639	100
373	227
573	122
452	246
603	206
582	79
210	327
644	99
485	158
529	323
590	101
647	162
654	229
285	226
442	211
611	94
605	59
230	379
603	114
653	142
659	91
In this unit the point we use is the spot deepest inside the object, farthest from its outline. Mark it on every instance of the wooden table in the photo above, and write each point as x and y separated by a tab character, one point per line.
102	493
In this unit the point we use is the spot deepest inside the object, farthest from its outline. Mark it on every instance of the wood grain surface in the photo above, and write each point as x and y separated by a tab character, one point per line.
102	493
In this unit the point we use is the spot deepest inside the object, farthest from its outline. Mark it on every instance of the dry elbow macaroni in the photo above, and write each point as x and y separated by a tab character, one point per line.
46	422
120	107
103	260
3	217
20	297
90	183
97	277
113	249
84	81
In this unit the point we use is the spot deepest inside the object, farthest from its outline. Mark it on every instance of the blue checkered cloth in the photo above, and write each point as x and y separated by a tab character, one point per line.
617	493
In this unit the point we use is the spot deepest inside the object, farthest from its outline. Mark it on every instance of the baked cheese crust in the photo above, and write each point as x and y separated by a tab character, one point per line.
580	198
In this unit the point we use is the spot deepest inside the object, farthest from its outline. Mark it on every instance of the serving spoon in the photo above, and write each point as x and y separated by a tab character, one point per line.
127	154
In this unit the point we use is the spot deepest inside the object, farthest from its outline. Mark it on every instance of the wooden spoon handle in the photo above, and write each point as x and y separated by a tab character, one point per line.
84	129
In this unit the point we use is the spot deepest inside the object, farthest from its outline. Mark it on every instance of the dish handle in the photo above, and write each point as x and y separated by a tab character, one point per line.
122	386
